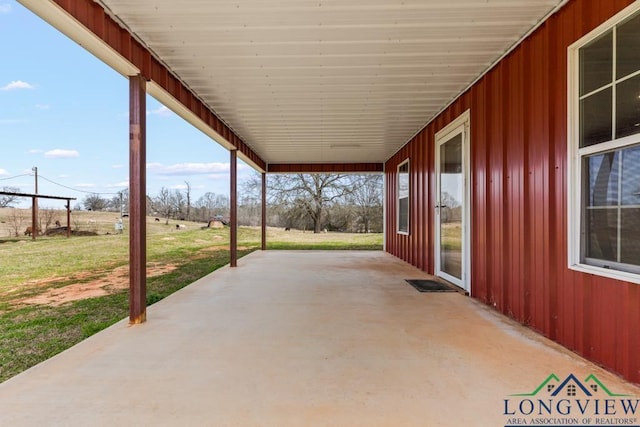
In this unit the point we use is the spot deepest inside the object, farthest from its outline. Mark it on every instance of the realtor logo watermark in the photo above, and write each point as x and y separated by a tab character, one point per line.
571	402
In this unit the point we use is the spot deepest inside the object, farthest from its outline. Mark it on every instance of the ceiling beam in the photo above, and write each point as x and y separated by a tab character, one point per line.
325	167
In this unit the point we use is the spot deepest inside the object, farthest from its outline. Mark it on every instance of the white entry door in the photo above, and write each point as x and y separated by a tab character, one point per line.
452	260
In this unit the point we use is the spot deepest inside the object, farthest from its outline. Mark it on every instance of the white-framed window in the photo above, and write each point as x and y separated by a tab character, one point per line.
604	149
403	197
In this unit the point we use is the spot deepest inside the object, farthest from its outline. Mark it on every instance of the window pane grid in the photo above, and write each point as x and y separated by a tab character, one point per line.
608	85
596	125
606	148
600	89
611	220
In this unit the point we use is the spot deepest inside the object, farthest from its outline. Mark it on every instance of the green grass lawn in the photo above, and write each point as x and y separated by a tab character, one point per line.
32	332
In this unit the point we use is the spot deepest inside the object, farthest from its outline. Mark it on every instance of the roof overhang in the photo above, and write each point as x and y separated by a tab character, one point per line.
298	82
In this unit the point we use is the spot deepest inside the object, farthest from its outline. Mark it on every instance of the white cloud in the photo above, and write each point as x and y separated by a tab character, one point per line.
17	84
118	184
11	121
3	172
218	176
42	106
117	166
5	8
188	168
35	151
85	185
184	187
161	111
61	154
62	175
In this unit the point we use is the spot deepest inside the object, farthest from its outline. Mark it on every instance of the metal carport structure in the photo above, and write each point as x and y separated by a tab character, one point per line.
363	86
320	86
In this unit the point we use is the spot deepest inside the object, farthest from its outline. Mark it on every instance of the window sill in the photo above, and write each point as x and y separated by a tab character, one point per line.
605	272
404	233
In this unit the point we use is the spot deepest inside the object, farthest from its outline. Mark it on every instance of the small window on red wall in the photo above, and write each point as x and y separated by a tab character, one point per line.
403	197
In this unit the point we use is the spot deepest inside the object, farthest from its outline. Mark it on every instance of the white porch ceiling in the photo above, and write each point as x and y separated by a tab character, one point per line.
332	81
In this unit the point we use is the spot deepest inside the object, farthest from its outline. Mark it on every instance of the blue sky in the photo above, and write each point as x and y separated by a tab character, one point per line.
65	112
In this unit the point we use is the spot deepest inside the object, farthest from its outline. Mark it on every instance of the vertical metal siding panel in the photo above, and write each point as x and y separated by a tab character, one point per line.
424	179
402	239
425	200
630	335
514	191
391	207
412	202
397	237
495	145
417	197
415	236
425	207
431	196
479	248
538	160
554	27
561	294
606	303
420	208
528	260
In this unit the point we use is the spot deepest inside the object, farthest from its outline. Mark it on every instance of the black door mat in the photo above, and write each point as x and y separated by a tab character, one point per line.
430	286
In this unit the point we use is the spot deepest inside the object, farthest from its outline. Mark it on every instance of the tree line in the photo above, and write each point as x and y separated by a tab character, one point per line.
317	202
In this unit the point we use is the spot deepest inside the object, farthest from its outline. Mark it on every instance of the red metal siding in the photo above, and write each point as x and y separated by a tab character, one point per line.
519	199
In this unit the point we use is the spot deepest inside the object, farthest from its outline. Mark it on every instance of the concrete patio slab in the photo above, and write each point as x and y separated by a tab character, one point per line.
298	338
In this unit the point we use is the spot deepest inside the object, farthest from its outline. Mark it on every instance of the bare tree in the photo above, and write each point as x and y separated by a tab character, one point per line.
163	204
313	193
16	220
178	200
46	217
6	200
211	204
93	202
188	194
367	198
120	202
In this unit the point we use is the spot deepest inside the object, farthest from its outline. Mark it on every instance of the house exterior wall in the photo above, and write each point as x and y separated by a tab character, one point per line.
519	199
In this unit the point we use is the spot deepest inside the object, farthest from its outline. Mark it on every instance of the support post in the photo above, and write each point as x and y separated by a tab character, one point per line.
264	211
233	208
34	208
137	201
34	217
68	218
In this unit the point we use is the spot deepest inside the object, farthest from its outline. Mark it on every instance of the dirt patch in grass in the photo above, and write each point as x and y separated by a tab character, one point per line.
116	280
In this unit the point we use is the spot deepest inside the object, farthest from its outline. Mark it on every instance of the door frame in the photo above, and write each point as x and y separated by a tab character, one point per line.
462	124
